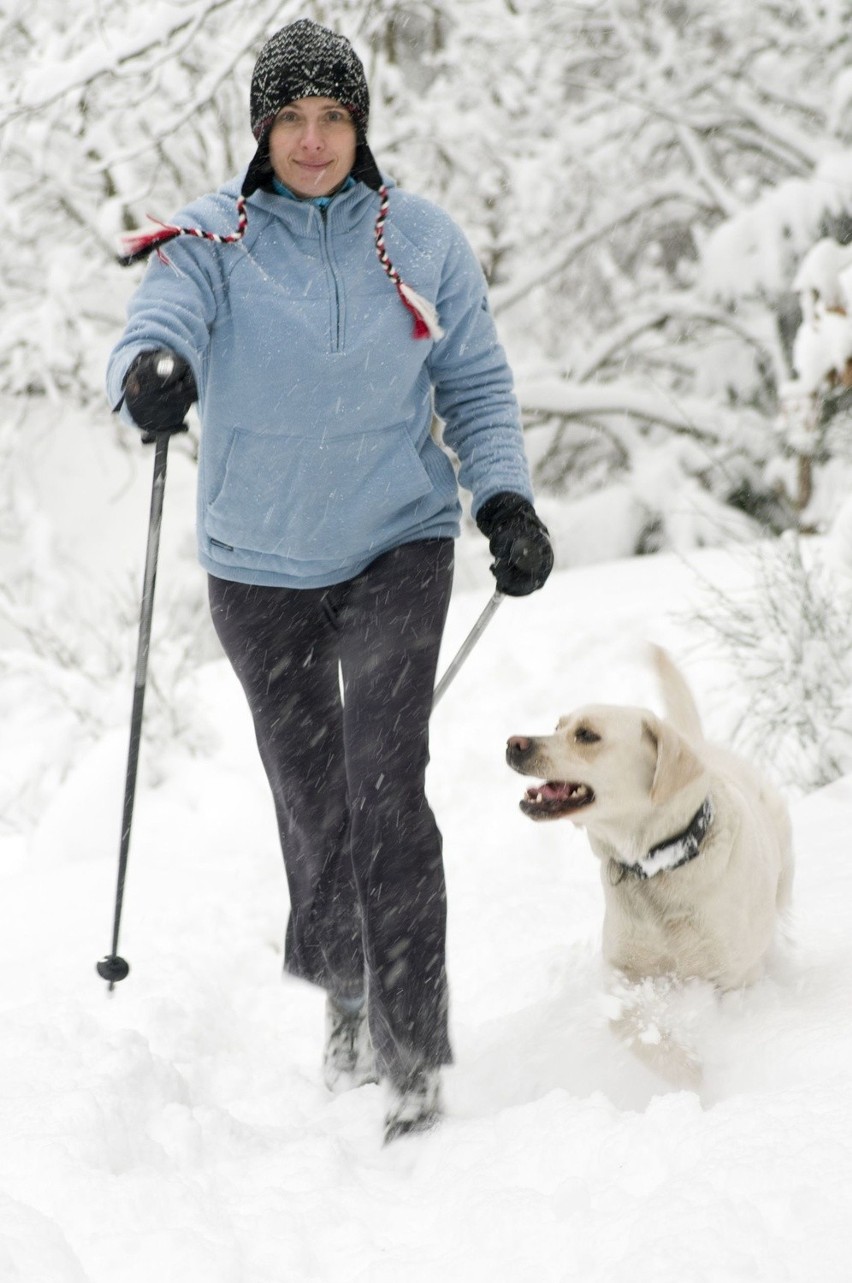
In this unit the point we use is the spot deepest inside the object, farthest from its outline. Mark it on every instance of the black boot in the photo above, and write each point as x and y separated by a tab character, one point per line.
415	1105
348	1059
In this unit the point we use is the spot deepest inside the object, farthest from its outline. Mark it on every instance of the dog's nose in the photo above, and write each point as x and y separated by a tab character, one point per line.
517	747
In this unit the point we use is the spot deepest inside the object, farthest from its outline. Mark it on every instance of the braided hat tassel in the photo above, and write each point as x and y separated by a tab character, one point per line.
138	245
426	323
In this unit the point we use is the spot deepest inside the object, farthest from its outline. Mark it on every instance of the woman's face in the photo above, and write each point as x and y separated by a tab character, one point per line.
312	146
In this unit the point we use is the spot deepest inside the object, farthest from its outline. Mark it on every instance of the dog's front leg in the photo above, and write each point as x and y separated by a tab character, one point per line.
650	1017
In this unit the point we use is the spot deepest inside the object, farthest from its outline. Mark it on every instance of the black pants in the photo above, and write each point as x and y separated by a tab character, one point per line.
361	847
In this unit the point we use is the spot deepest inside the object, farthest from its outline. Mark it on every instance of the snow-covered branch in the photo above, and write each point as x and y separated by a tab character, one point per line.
162	29
507	296
686	308
716	189
558	398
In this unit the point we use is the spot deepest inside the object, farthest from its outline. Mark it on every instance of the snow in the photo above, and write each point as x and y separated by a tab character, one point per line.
820	276
758	249
179	1130
823	344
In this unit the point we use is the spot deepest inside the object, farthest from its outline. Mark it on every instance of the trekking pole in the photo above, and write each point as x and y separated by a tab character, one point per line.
113	967
467	645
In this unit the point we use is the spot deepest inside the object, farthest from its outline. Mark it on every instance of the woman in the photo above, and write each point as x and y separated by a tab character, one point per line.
326	519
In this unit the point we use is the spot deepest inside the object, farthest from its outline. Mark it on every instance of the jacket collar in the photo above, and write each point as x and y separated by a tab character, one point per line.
349	208
321	202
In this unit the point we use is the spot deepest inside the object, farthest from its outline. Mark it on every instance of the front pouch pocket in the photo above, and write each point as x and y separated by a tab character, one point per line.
306	499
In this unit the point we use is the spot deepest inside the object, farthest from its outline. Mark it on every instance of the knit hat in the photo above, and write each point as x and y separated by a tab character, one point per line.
302	60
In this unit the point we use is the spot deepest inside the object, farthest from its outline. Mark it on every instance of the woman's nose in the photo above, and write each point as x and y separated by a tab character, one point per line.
311	138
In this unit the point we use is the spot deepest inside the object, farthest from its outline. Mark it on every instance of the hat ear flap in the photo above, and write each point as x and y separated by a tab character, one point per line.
677	763
365	170
259	171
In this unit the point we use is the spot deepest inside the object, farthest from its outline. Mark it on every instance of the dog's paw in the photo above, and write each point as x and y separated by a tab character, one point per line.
655	1019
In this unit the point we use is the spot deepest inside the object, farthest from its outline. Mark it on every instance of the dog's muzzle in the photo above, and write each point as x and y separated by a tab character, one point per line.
551	799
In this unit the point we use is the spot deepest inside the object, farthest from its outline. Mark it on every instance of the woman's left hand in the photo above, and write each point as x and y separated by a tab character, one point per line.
519	543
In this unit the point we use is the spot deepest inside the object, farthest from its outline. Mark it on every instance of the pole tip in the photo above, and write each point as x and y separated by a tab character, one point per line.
113	968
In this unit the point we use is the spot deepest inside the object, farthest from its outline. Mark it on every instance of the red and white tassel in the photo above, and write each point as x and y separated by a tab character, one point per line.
138	245
426	323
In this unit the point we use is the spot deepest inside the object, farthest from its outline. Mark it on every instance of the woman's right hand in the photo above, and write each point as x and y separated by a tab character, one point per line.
159	388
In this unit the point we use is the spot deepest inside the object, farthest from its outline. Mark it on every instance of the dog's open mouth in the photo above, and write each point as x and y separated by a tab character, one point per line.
554	798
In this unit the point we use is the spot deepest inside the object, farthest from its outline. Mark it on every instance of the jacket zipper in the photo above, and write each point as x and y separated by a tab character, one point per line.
324	241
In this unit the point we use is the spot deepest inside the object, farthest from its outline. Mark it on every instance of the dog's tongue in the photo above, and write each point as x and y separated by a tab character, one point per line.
552	791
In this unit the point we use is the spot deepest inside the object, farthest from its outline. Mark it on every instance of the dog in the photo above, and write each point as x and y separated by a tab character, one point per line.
695	849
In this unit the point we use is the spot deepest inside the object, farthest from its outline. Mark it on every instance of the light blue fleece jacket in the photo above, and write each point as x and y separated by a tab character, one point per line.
315	400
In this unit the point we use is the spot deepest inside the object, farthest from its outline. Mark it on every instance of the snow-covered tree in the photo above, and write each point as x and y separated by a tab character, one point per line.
640	179
814	419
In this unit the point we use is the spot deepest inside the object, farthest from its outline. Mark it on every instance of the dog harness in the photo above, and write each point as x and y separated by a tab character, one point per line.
678	850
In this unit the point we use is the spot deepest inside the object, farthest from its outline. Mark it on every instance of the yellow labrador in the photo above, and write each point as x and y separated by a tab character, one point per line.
695	846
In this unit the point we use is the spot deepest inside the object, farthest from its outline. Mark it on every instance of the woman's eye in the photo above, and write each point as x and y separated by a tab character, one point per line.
583	735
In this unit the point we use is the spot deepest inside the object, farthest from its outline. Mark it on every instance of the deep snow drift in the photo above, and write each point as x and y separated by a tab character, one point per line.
179	1130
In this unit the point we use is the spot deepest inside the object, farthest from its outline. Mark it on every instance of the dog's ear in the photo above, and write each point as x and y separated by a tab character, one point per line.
677	763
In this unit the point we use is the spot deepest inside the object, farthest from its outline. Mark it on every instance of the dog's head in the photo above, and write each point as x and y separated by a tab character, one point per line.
604	764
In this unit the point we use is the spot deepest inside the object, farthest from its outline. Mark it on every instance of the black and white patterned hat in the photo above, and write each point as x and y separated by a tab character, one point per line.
305	60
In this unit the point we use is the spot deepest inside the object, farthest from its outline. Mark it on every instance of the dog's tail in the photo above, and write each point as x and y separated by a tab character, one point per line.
680	707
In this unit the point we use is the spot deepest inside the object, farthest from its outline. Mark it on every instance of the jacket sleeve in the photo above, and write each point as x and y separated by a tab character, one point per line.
474	393
173	307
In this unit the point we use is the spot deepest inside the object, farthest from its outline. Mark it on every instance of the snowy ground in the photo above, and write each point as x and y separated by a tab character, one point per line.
178	1131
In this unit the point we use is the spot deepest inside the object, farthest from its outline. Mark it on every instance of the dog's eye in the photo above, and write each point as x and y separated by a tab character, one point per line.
583	735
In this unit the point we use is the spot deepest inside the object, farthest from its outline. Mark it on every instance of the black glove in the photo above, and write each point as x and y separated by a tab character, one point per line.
158	391
519	543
